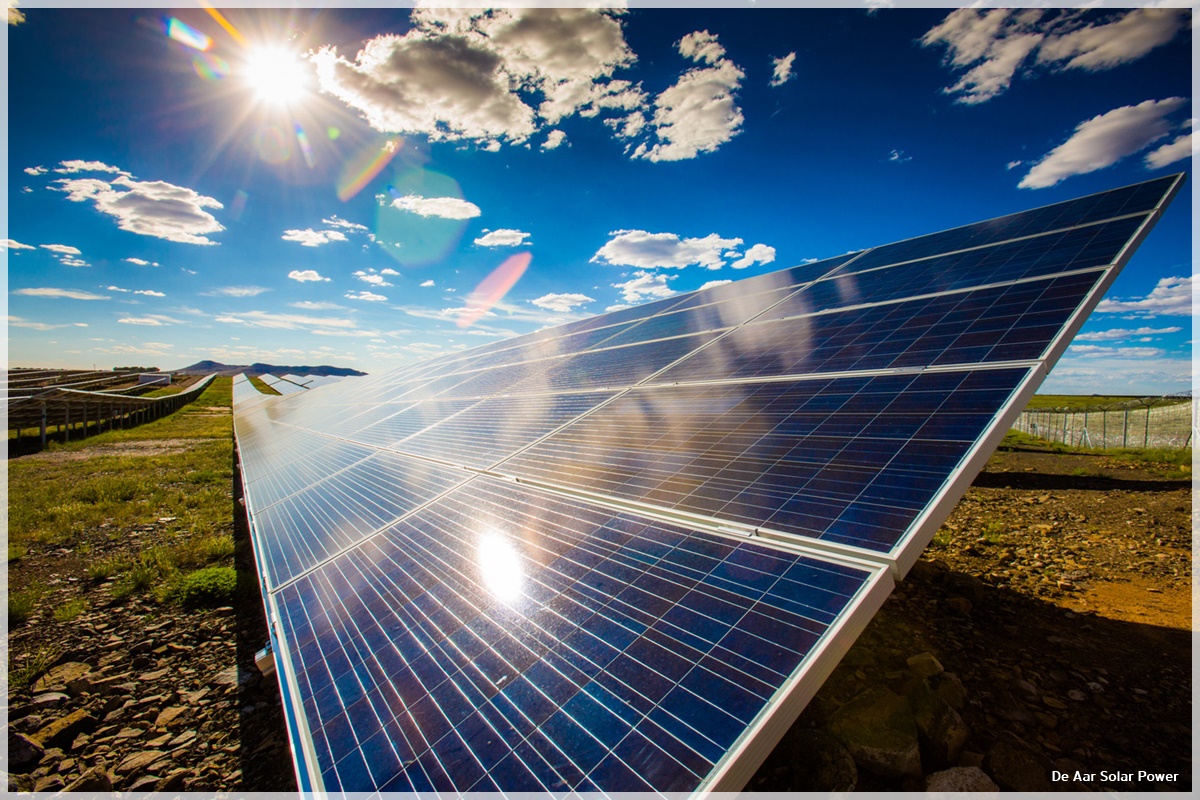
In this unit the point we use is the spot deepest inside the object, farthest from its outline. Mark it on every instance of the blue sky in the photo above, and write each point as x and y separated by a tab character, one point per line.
334	186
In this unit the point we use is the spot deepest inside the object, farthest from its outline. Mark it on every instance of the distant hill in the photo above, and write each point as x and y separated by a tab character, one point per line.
208	367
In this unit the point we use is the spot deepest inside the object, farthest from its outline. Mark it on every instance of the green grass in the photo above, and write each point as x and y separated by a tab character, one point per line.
1175	464
1078	402
24	674
21	605
121	491
69	610
262	387
211	586
107	568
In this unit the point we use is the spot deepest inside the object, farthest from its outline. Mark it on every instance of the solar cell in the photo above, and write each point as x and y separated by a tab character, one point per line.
619	554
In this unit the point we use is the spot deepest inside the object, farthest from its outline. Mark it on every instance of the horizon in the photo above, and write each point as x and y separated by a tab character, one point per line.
406	202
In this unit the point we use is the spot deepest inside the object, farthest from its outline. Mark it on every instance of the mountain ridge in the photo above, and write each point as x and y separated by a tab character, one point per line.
258	368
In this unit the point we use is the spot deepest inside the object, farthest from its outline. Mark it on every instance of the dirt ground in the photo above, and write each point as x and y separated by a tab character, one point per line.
1058	592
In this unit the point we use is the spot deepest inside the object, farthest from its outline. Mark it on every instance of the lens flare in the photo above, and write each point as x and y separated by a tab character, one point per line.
187	35
305	148
272	145
239	204
210	66
363	168
333	133
492	289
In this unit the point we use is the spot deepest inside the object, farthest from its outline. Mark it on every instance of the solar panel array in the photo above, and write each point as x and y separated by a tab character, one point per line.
620	554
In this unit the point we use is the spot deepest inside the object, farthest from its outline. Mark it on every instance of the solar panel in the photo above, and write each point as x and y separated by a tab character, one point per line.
621	554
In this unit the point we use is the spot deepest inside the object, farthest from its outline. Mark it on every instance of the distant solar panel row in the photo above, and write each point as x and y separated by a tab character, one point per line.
607	555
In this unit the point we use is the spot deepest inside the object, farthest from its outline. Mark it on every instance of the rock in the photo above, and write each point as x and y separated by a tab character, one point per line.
129	733
170	716
145	783
1076	695
48	700
810	759
146	677
958	605
960	779
24	753
173	782
1017	767
182	739
925	664
95	779
968	586
19	783
1005	706
48	783
950	688
877	728
226	677
1025	689
62	731
940	730
58	677
135	763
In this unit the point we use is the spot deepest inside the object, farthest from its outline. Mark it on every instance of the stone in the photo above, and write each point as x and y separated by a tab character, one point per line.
62	731
146	783
48	783
137	762
129	733
170	716
95	779
58	677
173	782
923	665
182	739
940	729
24	753
958	605
811	759
18	782
226	677
950	688
968	586
960	779
877	728
146	677
48	700
1016	767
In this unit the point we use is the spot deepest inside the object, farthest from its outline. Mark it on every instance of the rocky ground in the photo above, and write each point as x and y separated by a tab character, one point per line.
1046	628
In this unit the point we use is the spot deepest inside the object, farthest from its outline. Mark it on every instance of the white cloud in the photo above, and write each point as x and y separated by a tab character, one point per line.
337	222
1170	296
994	46
149	293
503	237
898	157
276	321
1119	334
20	322
69	294
314	306
365	295
239	291
698	113
562	303
644	285
151	208
65	249
554	139
310	238
711	284
13	244
388	271
1013	164
141	262
77	165
71	261
371	276
1097	351
476	75
305	275
117	289
632	248
1102	141
782	69
758	254
444	207
1171	152
426	284
154	320
39	170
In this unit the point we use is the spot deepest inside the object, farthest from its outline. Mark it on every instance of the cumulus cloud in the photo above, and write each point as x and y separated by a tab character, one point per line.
141	262
1097	351
150	208
634	248
698	113
365	295
1121	334
371	276
562	303
644	285
444	207
782	69
503	237
1169	297
711	284
426	284
758	254
77	165
1171	152
337	222
39	170
239	291
306	275
65	249
13	244
66	294
554	139
992	47
1103	140
310	238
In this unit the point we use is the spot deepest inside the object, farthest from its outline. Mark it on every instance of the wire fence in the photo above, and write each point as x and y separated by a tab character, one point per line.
1147	423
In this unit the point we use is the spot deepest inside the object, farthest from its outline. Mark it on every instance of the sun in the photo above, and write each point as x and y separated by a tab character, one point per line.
278	76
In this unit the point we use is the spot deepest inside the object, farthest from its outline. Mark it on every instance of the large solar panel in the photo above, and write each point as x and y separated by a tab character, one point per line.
622	554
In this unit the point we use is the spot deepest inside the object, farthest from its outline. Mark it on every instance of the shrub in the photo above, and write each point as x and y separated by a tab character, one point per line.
211	586
103	570
34	666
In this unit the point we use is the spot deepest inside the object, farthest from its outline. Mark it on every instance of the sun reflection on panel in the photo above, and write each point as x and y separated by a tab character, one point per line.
500	567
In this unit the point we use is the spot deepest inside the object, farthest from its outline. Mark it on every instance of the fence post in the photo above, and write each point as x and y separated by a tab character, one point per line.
43	424
1146	436
1125	431
1104	434
67	424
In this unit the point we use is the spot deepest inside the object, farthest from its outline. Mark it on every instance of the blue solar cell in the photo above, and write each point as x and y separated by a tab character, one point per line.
595	704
